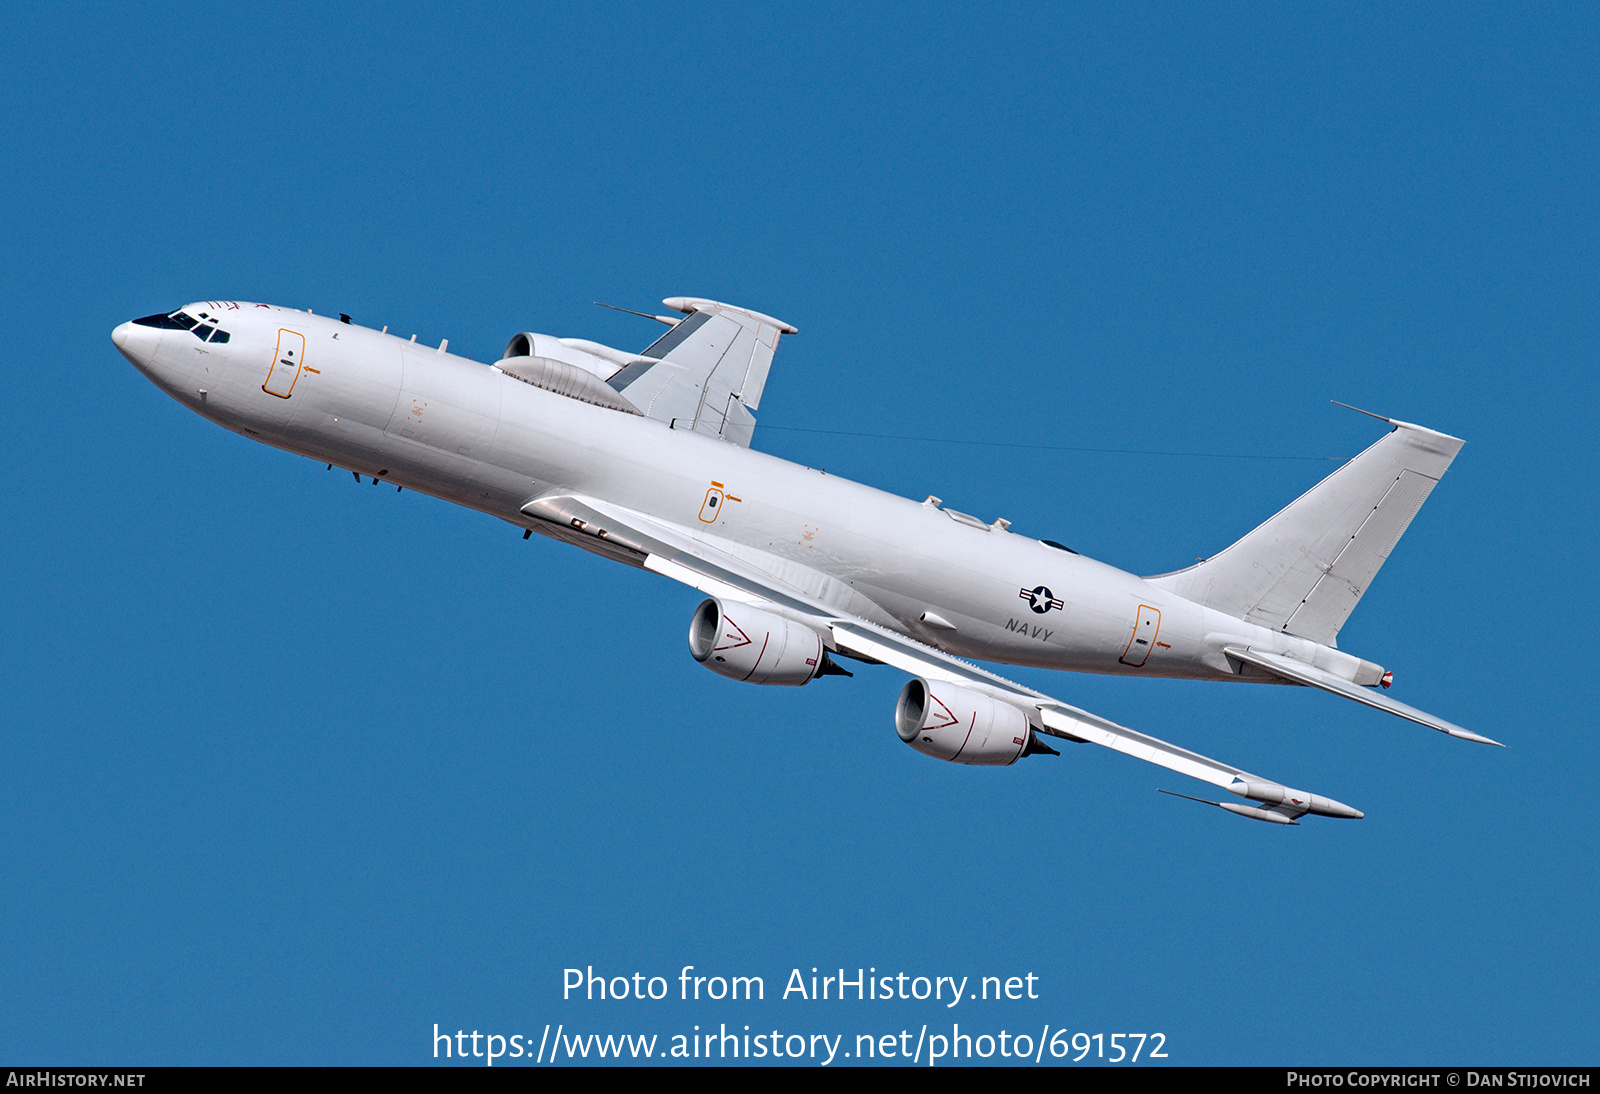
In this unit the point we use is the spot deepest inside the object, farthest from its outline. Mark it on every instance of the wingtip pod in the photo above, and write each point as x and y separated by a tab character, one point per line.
1296	801
1327	807
691	304
1292	806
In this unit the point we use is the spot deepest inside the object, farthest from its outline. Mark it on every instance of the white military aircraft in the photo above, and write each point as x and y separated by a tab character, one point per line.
644	458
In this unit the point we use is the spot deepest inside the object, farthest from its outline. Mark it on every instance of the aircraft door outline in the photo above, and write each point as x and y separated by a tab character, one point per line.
1145	629
288	359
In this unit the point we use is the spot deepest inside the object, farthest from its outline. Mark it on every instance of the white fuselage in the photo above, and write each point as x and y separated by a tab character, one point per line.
443	425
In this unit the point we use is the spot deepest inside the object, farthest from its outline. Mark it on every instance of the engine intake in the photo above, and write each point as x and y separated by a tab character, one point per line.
745	643
963	726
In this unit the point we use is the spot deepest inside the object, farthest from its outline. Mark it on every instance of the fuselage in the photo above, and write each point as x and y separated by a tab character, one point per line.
440	424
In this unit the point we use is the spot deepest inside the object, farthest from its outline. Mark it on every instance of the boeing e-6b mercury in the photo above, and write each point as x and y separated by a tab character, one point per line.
644	458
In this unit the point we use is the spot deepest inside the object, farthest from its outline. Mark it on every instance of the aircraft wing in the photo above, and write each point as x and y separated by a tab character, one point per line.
1049	715
806	596
708	371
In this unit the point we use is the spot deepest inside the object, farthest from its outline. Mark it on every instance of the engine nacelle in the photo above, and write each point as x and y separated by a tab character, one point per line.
961	726
566	379
745	643
528	344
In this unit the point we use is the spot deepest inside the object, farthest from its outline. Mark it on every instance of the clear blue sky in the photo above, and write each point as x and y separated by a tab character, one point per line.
296	769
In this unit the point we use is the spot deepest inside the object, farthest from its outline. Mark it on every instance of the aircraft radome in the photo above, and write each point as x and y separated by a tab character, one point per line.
644	458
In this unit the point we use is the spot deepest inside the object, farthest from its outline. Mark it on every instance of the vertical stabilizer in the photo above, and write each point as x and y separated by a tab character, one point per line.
1305	570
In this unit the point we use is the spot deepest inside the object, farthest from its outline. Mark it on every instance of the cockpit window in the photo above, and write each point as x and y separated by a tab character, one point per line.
179	321
176	321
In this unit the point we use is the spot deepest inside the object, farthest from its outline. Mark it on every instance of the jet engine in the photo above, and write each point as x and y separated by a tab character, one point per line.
963	726
564	378
572	351
745	643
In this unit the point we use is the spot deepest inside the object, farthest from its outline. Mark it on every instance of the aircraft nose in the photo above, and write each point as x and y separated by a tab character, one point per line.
136	343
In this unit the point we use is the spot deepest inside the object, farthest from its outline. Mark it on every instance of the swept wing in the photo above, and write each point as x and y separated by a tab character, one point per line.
723	570
708	371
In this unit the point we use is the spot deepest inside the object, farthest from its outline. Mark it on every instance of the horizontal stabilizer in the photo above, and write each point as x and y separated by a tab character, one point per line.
1301	673
706	373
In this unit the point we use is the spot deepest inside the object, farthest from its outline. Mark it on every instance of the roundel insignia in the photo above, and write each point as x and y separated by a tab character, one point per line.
1040	599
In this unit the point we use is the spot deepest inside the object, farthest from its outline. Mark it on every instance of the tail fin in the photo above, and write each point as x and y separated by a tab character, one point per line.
1304	570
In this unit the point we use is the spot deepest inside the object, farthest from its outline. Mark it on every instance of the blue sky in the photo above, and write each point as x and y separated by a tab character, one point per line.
298	769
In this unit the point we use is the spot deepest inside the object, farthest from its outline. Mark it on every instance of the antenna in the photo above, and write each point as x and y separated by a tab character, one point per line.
1358	410
646	315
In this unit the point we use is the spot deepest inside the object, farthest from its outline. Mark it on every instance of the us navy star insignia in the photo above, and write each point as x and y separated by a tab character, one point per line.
1040	599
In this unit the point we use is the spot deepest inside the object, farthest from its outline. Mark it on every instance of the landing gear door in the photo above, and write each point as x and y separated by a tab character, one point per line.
1145	629
286	364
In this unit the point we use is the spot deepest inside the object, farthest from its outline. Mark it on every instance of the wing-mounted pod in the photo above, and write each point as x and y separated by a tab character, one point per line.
745	643
962	726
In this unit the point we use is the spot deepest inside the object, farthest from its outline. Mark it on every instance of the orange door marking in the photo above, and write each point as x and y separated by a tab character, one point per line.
287	359
1145	628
